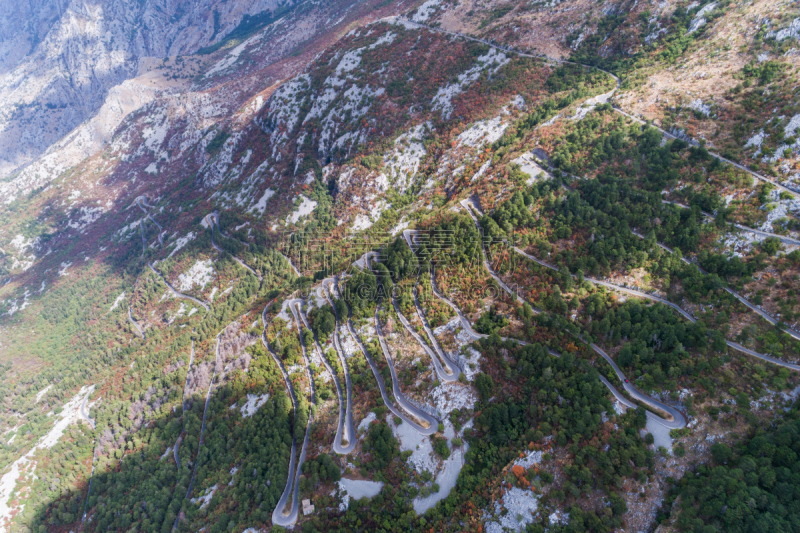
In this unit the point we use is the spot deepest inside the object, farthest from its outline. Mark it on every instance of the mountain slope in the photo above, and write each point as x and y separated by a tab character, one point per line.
540	310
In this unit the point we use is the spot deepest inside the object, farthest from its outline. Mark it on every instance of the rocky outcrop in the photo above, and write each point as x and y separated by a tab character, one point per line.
57	70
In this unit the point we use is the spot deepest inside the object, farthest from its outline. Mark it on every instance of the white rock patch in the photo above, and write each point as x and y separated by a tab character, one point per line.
69	414
369	419
520	505
699	19
253	404
201	274
483	132
444	97
454	395
206	497
422	455
42	393
305	208
426	10
261	205
182	241
117	301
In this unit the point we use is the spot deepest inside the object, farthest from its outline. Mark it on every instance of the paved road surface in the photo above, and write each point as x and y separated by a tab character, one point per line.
212	220
142	200
84	413
175	450
337	440
413	410
441	374
217	368
349	432
294	268
138	328
278	516
404	402
175	291
472	210
678	421
294	306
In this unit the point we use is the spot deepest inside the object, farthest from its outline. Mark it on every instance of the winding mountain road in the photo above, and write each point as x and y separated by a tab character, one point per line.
175	292
212	220
404	402
449	367
763	314
142	200
294	306
441	374
349	432
84	413
217	368
337	446
713	154
686	315
678	421
616	78
279	518
136	325
465	324
412	409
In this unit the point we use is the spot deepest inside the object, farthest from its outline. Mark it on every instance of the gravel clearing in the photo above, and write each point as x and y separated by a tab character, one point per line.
660	434
422	455
357	489
446	480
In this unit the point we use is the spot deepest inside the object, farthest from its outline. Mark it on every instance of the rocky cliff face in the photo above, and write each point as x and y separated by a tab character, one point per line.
56	69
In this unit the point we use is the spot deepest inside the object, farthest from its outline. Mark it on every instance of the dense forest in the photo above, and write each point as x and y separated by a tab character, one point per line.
751	485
